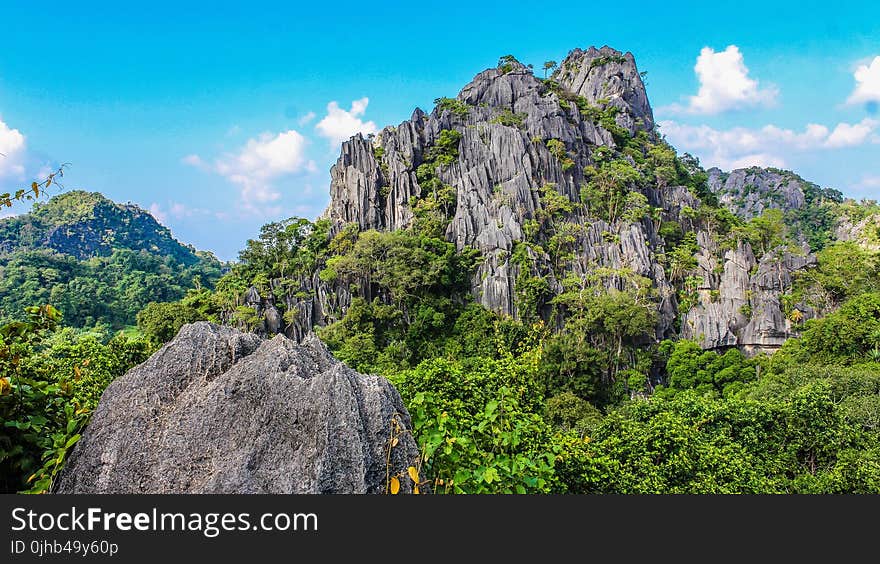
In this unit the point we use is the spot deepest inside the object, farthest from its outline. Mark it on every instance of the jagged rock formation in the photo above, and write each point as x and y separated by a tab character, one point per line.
506	117
747	192
220	411
606	73
520	134
739	297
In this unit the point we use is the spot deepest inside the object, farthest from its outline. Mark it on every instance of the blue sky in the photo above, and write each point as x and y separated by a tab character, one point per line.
223	116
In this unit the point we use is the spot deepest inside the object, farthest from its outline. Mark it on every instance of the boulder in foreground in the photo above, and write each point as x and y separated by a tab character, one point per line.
221	411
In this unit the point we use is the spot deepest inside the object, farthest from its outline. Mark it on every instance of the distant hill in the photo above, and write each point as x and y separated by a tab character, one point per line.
87	224
98	261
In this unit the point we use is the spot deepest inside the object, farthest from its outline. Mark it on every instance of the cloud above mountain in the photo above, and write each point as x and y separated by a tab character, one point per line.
339	125
766	146
725	85
12	152
867	89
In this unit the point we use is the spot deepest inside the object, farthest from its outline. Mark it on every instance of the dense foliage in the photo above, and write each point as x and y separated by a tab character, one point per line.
95	261
50	382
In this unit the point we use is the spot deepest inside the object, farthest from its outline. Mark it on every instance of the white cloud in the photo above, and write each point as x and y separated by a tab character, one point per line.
724	84
340	125
846	135
255	166
12	152
768	146
306	119
194	160
867	88
175	210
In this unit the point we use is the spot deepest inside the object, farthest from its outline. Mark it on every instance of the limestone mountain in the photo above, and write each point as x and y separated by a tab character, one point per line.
563	189
95	259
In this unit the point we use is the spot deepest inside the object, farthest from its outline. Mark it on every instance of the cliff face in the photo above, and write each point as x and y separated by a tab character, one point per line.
506	117
518	138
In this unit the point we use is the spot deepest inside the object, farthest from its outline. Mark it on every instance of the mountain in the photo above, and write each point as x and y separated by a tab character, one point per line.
565	183
87	224
98	261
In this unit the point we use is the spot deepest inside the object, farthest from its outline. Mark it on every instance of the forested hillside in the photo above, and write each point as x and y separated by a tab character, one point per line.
97	261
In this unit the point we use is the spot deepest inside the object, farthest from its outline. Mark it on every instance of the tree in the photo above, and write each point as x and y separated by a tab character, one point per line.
604	194
549	65
160	322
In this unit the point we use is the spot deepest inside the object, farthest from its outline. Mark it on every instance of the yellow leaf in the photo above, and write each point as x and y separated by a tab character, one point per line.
394	441
413	473
395	485
86	362
76	370
416	490
5	386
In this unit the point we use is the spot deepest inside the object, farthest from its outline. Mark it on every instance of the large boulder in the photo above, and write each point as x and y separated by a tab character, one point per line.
221	411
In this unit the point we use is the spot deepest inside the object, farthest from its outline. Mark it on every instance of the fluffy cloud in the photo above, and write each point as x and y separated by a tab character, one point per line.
767	146
339	125
12	152
255	166
867	84
724	84
306	119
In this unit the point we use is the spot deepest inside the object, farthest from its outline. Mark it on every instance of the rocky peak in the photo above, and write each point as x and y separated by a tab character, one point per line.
749	191
608	74
516	136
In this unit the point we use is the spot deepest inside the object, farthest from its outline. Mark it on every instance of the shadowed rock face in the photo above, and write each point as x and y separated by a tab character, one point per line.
220	411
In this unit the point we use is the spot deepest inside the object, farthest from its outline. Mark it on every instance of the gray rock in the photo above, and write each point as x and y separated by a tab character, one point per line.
749	191
500	170
608	74
740	302
220	411
865	232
